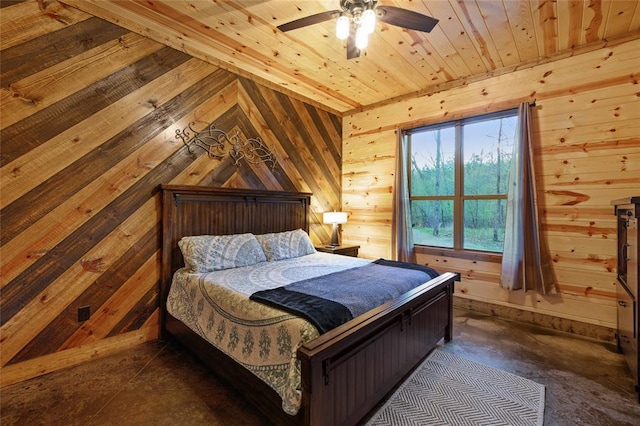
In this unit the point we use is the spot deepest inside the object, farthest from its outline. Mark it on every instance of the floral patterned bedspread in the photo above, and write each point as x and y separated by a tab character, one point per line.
264	340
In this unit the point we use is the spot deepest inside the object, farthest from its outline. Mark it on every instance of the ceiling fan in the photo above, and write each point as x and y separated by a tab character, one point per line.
357	18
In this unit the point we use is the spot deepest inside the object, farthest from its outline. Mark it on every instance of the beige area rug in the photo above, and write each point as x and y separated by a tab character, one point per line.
449	390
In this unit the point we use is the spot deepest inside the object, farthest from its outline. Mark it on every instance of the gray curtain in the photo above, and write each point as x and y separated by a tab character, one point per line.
401	235
525	263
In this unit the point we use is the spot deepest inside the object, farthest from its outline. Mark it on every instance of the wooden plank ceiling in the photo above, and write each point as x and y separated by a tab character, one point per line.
473	39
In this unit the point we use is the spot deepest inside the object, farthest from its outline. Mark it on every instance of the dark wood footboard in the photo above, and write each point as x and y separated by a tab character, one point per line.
345	372
348	371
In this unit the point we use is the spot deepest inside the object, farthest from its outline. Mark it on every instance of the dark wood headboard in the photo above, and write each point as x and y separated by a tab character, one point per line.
201	210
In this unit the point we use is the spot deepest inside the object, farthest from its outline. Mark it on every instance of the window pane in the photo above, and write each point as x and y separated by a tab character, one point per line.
432	162
487	147
432	222
484	222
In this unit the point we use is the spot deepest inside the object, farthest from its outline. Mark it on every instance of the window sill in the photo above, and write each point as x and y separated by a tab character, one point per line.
460	254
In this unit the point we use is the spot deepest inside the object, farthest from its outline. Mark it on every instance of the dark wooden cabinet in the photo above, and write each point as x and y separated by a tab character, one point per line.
344	250
627	213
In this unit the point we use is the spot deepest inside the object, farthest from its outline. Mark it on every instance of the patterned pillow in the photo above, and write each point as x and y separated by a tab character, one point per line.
206	253
286	245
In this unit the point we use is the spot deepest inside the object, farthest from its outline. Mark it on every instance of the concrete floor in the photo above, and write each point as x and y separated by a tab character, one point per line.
587	382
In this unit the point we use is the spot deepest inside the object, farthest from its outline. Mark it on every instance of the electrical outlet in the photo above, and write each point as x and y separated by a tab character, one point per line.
84	313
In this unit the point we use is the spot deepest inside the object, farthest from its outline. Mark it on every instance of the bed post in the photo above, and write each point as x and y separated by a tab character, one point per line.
166	270
448	334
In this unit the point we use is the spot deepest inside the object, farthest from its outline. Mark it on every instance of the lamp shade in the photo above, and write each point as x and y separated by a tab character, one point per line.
334	217
362	38
368	21
342	28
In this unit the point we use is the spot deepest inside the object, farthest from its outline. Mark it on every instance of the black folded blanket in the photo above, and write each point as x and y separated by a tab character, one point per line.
330	300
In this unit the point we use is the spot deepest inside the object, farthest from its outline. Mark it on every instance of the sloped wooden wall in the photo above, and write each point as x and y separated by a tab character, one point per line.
587	153
89	115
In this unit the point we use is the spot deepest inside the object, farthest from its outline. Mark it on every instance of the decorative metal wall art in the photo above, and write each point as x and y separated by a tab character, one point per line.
215	142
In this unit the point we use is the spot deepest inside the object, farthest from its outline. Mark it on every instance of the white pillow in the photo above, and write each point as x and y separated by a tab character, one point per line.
286	245
206	253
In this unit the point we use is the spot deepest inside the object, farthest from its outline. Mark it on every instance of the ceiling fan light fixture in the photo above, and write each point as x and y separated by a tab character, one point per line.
362	38
368	21
357	20
342	28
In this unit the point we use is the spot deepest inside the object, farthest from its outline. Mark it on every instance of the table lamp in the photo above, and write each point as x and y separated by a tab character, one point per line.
335	219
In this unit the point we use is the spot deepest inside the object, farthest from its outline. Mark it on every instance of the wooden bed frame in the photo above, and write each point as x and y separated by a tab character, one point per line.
346	372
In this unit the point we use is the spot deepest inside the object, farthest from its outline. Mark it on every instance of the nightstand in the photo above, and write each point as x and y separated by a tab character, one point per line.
344	250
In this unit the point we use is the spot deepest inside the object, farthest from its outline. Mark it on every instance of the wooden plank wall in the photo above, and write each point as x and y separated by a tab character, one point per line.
89	114
587	153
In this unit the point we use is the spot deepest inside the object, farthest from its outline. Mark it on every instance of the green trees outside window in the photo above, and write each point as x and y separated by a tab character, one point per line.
459	180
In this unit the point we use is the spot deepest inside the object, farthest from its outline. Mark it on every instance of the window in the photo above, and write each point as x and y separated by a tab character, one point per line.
458	181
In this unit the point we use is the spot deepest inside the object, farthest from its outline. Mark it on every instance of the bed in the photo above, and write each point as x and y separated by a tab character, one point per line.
344	373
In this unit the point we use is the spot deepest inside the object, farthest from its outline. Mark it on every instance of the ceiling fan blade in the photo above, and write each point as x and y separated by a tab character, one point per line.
406	18
352	50
308	20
